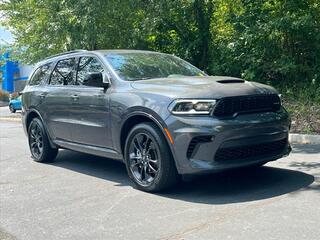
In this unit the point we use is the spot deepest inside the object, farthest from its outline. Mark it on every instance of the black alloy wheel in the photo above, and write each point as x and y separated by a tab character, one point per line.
39	145
36	140
144	158
148	158
11	108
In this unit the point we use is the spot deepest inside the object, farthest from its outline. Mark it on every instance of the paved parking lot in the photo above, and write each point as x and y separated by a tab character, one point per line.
5	113
85	197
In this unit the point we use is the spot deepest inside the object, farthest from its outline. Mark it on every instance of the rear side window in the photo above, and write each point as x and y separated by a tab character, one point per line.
40	75
64	72
87	65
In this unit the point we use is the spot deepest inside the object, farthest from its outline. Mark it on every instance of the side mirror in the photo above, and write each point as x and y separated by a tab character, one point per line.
94	79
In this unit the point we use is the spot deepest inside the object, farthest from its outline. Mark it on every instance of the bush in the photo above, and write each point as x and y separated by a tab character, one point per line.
4	96
14	95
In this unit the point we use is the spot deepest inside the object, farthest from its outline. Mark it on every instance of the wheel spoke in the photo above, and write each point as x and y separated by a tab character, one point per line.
137	144
36	150
143	158
152	168
35	128
38	132
145	172
134	156
147	145
153	160
134	164
141	173
36	140
33	133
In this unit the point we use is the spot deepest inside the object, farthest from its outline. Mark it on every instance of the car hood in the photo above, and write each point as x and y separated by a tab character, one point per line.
201	87
14	101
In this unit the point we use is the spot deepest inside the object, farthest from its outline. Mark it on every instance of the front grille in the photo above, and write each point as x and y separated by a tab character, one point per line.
249	151
194	143
231	106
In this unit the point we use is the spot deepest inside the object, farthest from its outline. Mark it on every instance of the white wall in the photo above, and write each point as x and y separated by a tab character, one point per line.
24	70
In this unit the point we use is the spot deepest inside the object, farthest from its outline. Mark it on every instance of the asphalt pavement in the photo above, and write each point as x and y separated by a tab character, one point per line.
6	114
85	197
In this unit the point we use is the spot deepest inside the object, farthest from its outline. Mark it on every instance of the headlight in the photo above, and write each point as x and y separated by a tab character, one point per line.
192	106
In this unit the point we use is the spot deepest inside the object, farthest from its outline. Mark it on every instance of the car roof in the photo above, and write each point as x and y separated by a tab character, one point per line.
121	51
81	52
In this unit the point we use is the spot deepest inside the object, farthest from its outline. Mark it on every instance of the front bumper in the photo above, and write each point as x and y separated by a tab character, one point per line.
199	141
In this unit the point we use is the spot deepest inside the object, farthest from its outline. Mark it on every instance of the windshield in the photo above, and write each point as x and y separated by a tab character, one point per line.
141	66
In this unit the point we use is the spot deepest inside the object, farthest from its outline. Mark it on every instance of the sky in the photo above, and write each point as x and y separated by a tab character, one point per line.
5	36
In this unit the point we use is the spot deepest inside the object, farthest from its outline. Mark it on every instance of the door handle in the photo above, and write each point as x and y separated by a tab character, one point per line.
75	97
42	95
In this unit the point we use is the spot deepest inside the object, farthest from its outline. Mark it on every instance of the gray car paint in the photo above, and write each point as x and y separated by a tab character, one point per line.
201	87
93	122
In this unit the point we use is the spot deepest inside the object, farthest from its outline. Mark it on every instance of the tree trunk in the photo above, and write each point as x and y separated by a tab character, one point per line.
203	12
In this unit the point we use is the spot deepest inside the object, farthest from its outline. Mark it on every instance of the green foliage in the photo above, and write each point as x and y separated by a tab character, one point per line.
276	40
46	27
271	41
4	96
181	27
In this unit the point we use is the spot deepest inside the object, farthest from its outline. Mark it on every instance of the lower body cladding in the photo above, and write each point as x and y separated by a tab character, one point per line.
206	144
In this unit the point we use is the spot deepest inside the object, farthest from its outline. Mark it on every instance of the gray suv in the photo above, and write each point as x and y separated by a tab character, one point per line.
157	113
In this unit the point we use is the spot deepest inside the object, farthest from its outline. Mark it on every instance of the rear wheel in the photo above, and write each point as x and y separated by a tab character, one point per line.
39	145
11	108
148	158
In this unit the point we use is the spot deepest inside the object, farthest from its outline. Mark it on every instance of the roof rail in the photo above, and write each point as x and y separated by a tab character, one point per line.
66	53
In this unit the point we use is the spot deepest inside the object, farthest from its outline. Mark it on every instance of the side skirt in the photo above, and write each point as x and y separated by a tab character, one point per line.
94	150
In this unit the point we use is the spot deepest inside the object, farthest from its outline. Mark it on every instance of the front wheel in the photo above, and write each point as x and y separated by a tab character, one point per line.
148	159
39	145
11	108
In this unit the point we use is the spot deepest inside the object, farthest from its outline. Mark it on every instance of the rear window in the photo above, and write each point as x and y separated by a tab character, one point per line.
64	72
41	74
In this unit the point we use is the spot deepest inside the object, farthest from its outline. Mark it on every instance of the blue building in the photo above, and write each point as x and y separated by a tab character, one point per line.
14	74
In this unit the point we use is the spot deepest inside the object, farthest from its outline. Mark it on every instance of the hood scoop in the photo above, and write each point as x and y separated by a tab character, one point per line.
231	81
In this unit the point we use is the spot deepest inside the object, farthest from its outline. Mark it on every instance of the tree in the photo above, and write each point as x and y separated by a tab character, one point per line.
273	40
264	40
43	28
181	27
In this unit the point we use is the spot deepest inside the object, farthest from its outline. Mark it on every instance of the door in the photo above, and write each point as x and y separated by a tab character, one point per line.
90	107
57	99
35	92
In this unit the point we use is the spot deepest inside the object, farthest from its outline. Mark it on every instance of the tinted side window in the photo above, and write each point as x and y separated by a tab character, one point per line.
87	65
64	73
41	74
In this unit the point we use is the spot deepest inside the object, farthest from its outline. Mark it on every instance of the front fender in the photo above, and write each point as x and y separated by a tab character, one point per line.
129	114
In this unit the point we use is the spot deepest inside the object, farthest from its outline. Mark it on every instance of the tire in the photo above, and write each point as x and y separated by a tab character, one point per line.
148	159
257	165
11	108
39	145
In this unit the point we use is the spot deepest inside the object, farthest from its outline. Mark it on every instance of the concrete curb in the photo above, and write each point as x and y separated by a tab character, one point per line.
304	138
10	119
4	104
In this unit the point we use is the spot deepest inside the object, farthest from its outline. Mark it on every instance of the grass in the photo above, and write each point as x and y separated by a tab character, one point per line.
303	104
